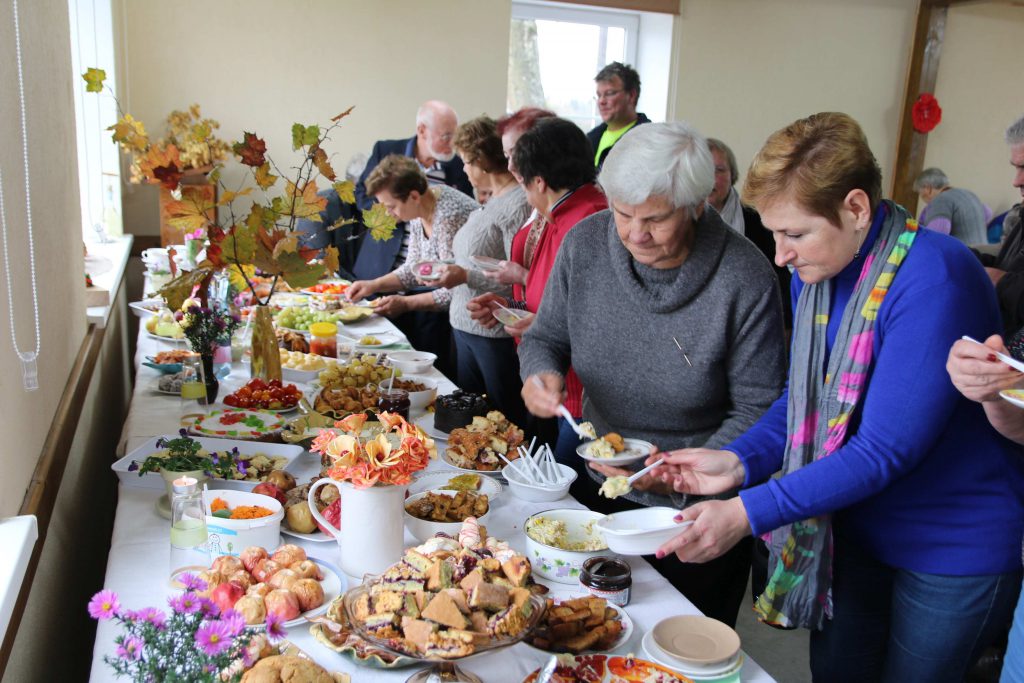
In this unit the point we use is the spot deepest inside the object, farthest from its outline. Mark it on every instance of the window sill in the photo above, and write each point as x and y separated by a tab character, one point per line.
116	255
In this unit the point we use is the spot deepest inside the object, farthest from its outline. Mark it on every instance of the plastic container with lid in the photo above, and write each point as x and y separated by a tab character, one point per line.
607	577
323	339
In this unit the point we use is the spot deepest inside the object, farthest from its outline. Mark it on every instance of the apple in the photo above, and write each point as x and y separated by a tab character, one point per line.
268	489
226	595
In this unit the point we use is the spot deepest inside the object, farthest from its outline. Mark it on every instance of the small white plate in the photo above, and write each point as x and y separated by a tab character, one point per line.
1014	396
316	537
509	316
446	461
386	339
169	340
426	423
147	307
624	635
438	480
698	673
434	266
486	262
155	386
636	449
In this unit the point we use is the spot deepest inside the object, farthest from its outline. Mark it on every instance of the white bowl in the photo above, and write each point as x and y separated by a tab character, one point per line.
412	361
525	488
419	400
422	529
641	531
557	564
231	536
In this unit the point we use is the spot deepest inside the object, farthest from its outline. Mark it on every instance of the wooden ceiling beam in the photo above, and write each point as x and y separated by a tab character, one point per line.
921	76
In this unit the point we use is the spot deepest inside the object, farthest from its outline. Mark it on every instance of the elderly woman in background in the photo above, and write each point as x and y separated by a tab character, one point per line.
513	269
744	219
556	164
434	215
673	323
486	359
896	524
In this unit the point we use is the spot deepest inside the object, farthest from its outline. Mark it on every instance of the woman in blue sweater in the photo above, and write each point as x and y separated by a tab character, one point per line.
895	527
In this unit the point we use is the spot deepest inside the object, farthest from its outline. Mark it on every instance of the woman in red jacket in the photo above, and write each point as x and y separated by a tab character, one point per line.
554	163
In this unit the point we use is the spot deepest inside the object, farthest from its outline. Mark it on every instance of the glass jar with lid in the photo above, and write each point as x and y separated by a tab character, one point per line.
323	339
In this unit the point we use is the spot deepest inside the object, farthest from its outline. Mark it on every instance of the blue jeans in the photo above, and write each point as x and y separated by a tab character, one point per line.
487	365
896	625
1013	663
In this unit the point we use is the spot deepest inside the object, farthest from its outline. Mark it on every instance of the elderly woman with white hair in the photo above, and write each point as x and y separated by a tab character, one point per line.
673	323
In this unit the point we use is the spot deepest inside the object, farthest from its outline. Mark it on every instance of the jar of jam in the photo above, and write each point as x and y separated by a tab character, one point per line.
323	339
393	400
607	577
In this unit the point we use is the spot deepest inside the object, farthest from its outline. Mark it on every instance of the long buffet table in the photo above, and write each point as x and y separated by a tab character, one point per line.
138	562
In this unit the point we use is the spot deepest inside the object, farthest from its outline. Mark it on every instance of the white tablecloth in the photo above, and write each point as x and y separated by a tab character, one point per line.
139	553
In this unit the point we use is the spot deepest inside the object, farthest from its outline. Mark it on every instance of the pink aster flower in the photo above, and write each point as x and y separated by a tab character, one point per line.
234	621
191	582
186	603
275	628
213	638
153	616
104	605
130	648
209	607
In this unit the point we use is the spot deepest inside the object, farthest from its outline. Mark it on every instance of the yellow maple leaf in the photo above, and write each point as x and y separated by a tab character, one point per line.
286	245
230	196
379	222
346	190
263	176
130	134
235	275
94	79
305	204
192	212
330	260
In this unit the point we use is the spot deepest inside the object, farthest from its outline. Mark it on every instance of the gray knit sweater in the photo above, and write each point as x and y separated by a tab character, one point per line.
617	322
488	232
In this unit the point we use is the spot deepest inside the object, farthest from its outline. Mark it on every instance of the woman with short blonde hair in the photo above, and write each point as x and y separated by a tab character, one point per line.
895	525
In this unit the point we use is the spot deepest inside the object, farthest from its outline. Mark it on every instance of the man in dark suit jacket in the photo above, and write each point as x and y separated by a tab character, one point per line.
432	148
618	89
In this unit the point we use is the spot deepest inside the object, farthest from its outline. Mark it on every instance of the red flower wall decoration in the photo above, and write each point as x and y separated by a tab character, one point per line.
926	113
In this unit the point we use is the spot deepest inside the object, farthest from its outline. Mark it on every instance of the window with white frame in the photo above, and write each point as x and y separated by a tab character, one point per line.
556	50
99	167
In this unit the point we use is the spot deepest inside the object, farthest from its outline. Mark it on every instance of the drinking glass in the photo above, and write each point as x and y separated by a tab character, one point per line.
193	390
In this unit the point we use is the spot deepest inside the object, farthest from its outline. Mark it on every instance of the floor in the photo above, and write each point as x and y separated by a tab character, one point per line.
783	654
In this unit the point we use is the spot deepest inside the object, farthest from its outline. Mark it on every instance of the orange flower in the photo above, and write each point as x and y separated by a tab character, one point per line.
377	460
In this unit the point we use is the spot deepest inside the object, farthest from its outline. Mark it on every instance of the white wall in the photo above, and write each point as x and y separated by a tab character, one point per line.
747	68
26	417
261	65
979	87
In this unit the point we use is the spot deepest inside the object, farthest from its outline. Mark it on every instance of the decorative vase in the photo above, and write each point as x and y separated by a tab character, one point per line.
210	378
163	504
372	536
266	359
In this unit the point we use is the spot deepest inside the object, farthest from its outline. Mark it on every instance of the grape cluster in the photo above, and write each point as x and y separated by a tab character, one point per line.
363	370
301	317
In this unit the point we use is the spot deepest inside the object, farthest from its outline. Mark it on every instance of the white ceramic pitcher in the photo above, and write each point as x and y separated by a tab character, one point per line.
372	537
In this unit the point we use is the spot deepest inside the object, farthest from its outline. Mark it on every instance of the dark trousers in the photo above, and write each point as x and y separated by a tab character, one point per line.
716	588
430	331
488	365
893	624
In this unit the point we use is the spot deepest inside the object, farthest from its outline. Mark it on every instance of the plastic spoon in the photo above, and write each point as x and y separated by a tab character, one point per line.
1012	362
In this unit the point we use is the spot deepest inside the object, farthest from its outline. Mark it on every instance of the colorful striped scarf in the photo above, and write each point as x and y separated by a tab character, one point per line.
821	404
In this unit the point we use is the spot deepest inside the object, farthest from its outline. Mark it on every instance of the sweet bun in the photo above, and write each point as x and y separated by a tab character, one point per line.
287	669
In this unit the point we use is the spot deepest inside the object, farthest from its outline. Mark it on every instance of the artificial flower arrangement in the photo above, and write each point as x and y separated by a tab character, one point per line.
390	457
205	328
194	642
266	239
184	454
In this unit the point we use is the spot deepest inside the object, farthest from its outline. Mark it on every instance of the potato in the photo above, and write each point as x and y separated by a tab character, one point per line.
300	519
